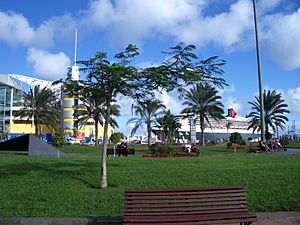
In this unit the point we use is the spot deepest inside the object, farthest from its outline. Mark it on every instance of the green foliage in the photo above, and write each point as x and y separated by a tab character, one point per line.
43	106
4	135
284	142
58	141
275	109
268	136
147	110
236	138
229	145
158	148
170	126
203	101
116	137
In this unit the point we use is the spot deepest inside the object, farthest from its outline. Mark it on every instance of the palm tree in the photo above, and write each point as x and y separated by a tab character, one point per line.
147	111
274	110
202	100
170	126
93	107
42	106
228	125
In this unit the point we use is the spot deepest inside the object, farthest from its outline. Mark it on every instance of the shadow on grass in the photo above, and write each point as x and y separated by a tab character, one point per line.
53	170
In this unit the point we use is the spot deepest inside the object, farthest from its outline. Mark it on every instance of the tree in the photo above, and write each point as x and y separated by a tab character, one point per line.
119	78
202	100
93	107
183	68
111	79
228	125
42	106
148	111
170	126
116	137
275	109
236	139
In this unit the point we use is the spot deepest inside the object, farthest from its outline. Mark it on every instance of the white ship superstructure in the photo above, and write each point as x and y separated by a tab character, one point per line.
216	131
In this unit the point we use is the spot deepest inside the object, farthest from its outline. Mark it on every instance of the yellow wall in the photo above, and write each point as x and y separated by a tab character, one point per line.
89	126
28	128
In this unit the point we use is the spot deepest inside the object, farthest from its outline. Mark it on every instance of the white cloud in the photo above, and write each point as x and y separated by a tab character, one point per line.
223	29
267	5
47	65
232	102
15	29
282	35
135	20
226	89
293	100
171	101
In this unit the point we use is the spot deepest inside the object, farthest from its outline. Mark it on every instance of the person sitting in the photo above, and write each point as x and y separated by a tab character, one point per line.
263	147
279	146
195	148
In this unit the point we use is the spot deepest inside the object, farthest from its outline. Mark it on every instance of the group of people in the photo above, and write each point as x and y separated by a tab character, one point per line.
274	145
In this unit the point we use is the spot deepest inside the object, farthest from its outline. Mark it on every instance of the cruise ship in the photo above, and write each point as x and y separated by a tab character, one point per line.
218	131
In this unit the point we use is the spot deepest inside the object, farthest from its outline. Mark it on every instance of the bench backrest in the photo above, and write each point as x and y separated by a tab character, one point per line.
185	203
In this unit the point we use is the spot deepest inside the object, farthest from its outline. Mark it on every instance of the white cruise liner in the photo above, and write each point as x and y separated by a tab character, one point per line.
218	131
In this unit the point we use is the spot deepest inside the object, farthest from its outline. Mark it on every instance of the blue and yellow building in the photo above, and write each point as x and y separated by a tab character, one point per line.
11	92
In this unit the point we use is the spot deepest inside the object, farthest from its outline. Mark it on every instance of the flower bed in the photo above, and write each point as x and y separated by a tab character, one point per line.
169	156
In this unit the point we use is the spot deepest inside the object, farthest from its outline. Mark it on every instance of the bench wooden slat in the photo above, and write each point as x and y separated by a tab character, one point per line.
187	206
181	190
184	209
181	212
186	200
189	218
206	196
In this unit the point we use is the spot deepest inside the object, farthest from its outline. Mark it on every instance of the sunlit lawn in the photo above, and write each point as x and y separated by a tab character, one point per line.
65	187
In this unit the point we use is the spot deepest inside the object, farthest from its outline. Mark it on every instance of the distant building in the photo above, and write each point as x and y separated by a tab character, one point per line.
219	130
11	92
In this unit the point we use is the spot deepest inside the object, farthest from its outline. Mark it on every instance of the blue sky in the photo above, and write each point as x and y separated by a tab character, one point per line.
37	39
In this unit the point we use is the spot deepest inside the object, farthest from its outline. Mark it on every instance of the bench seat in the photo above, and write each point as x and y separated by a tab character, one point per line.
121	151
218	205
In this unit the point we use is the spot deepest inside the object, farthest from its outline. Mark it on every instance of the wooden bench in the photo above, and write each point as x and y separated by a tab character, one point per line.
216	205
121	151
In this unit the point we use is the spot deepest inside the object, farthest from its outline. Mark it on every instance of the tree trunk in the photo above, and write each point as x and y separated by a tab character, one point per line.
103	181
36	126
202	130
96	131
202	137
149	132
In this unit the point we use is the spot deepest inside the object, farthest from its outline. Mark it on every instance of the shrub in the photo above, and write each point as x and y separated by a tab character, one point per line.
284	142
116	137
58	141
229	144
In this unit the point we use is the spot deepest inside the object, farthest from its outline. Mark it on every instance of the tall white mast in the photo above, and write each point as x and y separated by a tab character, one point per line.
75	48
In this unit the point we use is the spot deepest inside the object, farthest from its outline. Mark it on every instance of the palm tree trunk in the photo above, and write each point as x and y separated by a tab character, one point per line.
96	132
103	181
202	137
36	126
149	132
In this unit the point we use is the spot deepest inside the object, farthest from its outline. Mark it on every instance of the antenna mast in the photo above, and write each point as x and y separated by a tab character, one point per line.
75	49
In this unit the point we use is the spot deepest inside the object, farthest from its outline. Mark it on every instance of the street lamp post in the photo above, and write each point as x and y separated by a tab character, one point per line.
262	114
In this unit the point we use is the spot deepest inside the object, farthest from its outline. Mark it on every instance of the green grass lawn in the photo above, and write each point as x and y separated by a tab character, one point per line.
65	187
293	144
